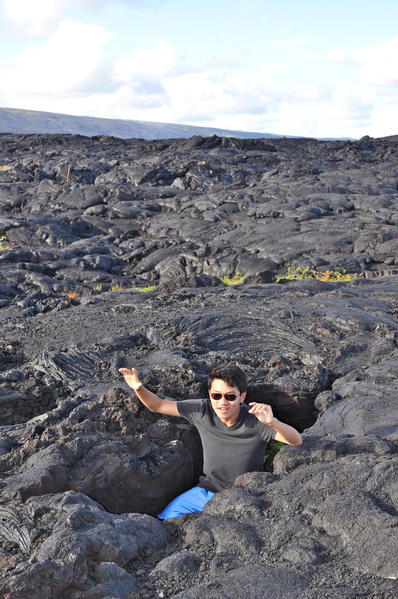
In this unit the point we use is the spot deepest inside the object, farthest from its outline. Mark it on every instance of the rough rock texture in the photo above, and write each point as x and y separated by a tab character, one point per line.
84	468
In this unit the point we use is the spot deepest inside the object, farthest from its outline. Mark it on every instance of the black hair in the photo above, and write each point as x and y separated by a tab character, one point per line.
231	374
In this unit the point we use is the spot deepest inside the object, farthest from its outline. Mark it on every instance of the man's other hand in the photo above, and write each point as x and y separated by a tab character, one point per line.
262	411
131	377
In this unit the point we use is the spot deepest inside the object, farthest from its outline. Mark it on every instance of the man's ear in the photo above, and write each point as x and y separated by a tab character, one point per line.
243	396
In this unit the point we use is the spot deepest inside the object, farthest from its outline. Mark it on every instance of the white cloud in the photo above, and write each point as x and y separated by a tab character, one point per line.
338	56
293	43
70	60
188	93
195	96
377	64
148	64
333	112
35	16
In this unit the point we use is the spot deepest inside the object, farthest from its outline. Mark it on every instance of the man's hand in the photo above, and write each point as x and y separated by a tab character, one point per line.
262	411
149	399
131	377
284	432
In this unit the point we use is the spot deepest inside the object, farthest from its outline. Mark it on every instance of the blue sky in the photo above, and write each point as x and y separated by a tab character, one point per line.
325	69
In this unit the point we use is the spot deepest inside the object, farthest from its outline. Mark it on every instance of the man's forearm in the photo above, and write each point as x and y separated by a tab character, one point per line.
149	399
285	432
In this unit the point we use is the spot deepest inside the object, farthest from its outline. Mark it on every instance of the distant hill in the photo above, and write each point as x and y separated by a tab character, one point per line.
15	120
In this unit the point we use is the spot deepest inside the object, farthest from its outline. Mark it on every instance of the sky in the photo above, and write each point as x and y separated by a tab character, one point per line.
312	67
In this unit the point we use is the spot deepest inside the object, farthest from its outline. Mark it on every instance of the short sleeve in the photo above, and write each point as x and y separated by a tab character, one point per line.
191	409
267	433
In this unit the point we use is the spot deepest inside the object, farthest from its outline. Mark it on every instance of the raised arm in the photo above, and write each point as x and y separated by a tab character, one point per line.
284	432
149	399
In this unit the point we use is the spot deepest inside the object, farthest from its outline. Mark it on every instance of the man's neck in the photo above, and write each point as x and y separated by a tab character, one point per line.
230	422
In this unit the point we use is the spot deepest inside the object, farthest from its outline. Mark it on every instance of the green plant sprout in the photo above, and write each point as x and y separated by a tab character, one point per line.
144	289
305	272
3	244
235	279
99	288
272	449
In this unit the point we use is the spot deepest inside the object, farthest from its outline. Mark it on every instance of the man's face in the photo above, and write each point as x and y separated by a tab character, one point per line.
227	411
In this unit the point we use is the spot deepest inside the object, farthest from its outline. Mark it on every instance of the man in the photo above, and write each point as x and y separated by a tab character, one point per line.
233	437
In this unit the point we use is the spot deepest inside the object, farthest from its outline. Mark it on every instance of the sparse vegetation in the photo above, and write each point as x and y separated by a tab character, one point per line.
100	288
235	279
272	449
144	289
72	294
305	272
4	243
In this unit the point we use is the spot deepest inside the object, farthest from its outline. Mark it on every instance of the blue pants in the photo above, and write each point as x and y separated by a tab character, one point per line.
189	502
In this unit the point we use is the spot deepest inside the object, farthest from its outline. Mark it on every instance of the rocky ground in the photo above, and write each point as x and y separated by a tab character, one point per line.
112	253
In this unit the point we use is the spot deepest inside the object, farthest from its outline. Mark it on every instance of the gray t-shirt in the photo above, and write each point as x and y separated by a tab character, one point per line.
228	451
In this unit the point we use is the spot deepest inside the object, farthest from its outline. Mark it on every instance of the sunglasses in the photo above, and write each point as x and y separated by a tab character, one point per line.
228	396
